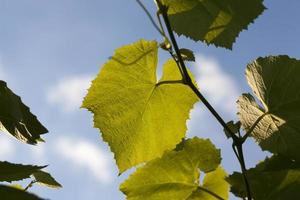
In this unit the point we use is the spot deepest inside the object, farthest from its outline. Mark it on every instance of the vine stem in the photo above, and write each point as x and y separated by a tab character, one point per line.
150	17
237	141
187	78
244	170
30	185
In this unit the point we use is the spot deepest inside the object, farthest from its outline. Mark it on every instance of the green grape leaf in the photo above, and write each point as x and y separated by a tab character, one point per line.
14	172
139	117
12	193
276	178
176	174
217	22
16	118
177	6
214	187
187	54
275	82
46	179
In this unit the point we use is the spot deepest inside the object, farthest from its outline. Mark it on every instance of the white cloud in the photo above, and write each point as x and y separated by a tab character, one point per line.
218	86
39	153
69	91
7	148
87	156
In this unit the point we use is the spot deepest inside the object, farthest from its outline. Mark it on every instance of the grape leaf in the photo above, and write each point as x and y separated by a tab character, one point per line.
46	179
176	174
16	118
276	178
216	22
177	6
214	187
11	193
275	82
139	117
187	54
14	172
233	126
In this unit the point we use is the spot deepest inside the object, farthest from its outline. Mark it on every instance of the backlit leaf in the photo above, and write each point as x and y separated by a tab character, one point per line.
139	117
275	82
177	6
216	22
176	174
16	118
214	187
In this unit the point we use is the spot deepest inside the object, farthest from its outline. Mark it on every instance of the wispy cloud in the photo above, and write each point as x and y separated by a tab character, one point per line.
87	156
218	86
7	148
221	90
69	91
39	153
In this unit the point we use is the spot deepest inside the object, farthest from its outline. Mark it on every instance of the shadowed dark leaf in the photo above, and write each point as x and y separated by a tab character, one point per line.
276	178
46	179
216	22
14	172
12	193
16	118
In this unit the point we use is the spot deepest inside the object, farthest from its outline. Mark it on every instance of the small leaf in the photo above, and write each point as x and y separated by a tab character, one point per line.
276	178
234	127
176	174
14	172
16	118
275	82
166	45
46	179
135	113
12	193
216	22
187	54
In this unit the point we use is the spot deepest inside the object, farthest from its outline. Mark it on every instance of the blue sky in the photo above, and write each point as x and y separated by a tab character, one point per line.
50	50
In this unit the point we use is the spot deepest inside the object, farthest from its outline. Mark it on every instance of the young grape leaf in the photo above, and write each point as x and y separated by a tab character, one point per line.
46	179
234	127
139	117
187	54
216	22
16	118
275	82
176	175
14	172
12	193
276	178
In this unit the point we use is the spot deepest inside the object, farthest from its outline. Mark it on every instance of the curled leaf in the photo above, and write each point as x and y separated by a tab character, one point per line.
274	119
